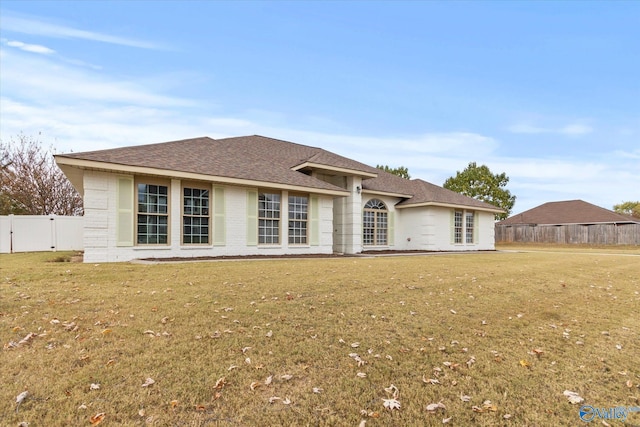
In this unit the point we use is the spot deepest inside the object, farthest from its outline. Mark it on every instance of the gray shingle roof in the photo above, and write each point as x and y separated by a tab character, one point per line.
421	192
255	158
567	212
270	161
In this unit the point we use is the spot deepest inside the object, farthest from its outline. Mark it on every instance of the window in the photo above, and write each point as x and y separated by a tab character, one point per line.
374	223
298	217
457	227
195	216
153	214
469	222
268	219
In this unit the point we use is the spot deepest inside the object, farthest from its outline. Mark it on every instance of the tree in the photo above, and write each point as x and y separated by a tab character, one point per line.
31	183
400	171
481	184
628	208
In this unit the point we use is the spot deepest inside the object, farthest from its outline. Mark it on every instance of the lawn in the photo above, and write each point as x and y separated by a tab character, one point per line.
490	339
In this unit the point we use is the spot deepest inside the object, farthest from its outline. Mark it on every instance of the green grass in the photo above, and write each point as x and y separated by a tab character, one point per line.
185	326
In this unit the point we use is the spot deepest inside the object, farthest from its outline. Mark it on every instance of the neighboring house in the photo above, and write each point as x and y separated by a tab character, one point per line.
254	195
571	221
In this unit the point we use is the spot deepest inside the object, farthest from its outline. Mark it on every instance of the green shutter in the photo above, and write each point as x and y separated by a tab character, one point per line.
314	221
452	225
125	211
252	218
391	229
476	221
219	222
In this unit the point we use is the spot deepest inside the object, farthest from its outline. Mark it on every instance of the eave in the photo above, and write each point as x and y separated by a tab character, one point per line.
450	205
333	169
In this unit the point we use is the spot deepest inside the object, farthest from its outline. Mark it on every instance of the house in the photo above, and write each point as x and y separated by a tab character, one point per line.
570	221
254	195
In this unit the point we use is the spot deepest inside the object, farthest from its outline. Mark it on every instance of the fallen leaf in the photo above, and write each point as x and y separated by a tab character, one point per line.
286	377
21	397
391	404
446	420
392	390
269	334
173	404
254	385
525	364
433	407
573	397
268	380
220	383
97	418
148	382
94	386
142	412
317	390
286	401
465	398
361	375
363	423
273	399
106	331
453	311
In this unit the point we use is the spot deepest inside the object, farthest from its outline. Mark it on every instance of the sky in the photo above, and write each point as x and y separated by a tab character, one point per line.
546	92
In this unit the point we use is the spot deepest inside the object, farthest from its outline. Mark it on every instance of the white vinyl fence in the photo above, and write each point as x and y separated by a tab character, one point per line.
34	233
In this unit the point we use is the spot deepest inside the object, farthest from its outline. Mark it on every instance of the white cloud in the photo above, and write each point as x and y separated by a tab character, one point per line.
36	26
33	48
571	129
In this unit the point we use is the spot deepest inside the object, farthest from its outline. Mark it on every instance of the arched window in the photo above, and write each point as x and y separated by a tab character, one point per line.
375	223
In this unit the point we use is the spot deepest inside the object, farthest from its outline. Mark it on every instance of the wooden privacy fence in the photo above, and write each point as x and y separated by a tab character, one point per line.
36	233
595	234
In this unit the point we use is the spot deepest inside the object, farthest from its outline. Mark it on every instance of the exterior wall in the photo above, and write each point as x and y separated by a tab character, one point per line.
429	229
100	234
347	218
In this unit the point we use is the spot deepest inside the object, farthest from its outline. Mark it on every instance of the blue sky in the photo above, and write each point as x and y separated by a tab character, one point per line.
548	92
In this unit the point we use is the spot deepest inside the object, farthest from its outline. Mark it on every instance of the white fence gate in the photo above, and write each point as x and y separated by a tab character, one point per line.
34	233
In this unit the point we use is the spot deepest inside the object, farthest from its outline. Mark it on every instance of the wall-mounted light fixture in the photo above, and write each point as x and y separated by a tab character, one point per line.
358	189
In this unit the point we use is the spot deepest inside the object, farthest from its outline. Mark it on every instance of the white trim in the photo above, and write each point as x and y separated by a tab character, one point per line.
450	205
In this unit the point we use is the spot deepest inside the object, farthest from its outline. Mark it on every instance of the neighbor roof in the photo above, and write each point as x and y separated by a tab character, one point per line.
567	212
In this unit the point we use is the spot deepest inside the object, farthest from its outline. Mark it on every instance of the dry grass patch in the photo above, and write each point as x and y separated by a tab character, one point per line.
495	337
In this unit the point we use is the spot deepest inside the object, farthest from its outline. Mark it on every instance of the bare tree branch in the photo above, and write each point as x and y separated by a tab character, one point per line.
31	183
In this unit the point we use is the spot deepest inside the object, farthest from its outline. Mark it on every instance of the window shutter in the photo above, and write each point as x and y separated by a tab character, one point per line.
314	221
476	221
391	229
252	218
219	222
453	226
124	208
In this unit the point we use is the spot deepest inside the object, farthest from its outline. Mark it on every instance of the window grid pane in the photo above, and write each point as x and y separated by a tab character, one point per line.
457	225
469	227
375	223
195	219
268	219
153	214
298	217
